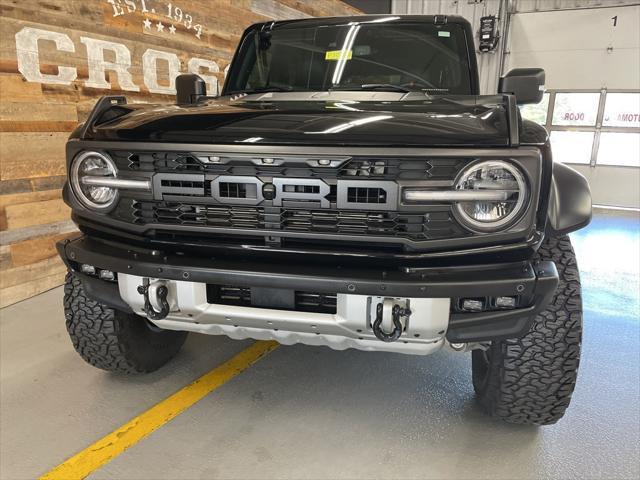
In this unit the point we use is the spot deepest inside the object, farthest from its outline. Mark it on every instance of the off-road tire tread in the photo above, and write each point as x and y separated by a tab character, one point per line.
530	380
112	340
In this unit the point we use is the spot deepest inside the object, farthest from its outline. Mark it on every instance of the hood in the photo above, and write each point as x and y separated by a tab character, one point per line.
315	118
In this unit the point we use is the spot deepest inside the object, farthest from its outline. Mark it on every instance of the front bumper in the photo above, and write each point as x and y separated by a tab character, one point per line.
190	310
533	284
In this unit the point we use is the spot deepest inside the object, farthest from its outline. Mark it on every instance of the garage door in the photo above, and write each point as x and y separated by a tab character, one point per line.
592	109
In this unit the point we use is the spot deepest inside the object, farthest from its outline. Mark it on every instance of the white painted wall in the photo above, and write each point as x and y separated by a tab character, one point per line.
521	6
579	49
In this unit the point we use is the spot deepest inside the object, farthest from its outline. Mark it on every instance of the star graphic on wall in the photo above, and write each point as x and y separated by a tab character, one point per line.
160	26
147	24
172	30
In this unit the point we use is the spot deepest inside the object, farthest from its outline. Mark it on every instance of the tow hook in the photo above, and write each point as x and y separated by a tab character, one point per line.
161	296
396	312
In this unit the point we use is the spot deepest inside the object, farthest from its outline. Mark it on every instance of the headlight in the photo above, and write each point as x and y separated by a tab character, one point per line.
91	176
500	195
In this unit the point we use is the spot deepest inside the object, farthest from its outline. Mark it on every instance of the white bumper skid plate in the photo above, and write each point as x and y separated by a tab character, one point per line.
350	327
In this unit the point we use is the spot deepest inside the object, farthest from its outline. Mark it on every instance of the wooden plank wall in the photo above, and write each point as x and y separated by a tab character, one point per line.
44	93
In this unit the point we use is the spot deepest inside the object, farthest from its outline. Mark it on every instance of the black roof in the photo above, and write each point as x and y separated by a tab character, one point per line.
326	21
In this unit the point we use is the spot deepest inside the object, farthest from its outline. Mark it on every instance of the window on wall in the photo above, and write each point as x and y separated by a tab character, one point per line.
572	147
622	110
619	149
575	109
591	128
537	112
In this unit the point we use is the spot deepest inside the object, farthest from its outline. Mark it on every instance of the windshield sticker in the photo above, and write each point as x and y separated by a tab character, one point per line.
361	50
338	54
442	33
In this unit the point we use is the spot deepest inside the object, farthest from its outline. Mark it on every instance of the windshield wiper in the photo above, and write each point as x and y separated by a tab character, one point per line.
266	90
383	87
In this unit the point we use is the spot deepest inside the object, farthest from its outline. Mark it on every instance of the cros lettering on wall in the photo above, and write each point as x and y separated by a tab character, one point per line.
28	40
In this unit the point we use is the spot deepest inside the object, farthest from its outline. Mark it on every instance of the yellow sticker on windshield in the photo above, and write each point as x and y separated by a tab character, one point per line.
338	54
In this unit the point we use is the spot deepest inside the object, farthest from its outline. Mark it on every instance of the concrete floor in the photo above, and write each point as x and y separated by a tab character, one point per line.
305	412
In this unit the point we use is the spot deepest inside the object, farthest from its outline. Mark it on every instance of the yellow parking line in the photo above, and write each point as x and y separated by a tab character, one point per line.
109	447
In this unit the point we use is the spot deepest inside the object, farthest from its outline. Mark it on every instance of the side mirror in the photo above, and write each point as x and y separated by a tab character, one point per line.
527	84
189	88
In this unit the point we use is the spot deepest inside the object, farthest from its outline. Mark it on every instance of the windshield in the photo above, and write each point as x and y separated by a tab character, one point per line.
357	56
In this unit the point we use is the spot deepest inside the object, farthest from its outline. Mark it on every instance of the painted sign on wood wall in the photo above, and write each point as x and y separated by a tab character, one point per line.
56	58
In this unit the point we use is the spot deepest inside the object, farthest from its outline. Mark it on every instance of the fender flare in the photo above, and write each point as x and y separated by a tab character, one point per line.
569	201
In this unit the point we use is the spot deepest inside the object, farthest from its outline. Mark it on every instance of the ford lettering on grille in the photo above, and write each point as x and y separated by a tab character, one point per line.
280	192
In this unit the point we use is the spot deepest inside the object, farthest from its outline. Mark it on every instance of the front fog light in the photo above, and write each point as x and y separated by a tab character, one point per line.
88	269
501	195
472	305
89	175
506	302
107	275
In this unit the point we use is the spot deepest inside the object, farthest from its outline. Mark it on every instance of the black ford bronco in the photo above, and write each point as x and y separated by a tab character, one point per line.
348	188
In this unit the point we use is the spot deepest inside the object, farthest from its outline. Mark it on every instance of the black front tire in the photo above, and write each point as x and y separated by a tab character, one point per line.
113	340
530	380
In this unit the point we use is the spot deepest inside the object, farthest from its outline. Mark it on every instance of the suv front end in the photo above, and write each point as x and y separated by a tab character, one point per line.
253	265
379	216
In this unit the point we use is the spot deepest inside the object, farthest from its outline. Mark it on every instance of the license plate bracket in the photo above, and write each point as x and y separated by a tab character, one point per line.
279	298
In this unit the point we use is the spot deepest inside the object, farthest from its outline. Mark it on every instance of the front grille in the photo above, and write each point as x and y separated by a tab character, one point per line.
435	224
216	191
